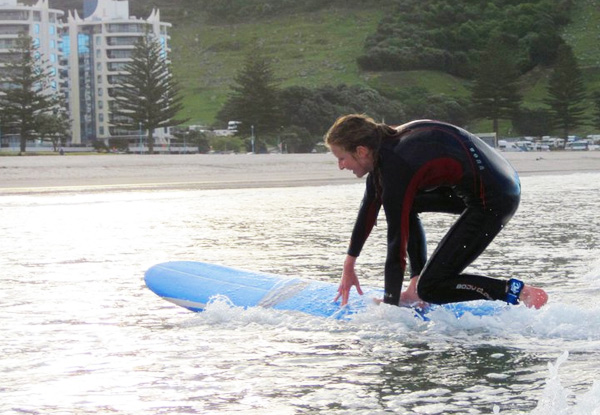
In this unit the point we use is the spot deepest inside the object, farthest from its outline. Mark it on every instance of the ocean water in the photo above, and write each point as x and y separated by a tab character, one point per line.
81	334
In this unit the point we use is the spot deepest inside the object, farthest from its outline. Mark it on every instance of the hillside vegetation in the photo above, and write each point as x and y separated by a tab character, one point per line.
307	49
316	43
317	48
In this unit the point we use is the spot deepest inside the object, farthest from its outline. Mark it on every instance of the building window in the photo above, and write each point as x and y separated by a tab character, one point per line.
83	43
66	45
100	130
119	54
14	15
52	29
36	29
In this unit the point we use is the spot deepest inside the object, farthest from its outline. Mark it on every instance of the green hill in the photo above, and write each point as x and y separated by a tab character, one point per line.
318	48
313	49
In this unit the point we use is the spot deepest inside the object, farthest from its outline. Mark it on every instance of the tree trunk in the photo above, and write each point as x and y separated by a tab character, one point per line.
150	142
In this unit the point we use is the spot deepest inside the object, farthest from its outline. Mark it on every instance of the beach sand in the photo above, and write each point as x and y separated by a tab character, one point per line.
26	174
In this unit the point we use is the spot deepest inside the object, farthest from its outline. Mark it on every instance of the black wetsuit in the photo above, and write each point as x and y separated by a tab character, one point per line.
437	167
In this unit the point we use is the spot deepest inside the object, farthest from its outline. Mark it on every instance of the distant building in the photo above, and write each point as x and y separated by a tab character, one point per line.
86	56
96	49
38	21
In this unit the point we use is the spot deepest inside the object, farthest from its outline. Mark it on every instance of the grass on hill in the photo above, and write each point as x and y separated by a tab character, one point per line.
433	81
311	49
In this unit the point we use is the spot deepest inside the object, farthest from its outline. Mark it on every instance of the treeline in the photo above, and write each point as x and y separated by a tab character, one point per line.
449	36
293	118
296	117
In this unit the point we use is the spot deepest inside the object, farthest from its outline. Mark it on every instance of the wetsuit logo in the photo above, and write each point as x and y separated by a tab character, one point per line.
514	290
515	286
477	159
478	290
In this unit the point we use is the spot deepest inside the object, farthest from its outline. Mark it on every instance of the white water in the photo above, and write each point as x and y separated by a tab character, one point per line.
82	334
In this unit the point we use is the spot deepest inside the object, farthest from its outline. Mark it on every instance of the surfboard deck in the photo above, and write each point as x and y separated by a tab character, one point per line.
193	285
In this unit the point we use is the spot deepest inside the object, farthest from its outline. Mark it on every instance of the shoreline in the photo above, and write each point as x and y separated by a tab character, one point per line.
41	174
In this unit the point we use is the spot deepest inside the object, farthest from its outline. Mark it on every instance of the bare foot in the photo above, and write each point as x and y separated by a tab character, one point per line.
533	297
410	298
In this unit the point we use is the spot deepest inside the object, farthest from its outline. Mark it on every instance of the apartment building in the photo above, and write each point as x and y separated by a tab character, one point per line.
87	55
96	50
43	25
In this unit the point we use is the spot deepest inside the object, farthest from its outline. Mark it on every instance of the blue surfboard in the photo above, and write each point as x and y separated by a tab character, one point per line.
193	285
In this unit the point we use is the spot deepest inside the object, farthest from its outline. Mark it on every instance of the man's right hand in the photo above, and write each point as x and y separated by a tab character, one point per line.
349	279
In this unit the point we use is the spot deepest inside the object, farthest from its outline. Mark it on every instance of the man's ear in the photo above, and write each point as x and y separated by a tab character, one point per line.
362	151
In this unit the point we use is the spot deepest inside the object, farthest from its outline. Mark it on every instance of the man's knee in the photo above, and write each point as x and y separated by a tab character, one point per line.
426	292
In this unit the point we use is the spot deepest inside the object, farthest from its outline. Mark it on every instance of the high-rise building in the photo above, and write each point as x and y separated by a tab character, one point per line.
87	56
42	24
96	49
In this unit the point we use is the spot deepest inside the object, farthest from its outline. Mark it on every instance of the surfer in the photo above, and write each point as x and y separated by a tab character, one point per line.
429	166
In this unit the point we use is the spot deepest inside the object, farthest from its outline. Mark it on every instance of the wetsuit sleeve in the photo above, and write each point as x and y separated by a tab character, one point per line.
366	219
398	200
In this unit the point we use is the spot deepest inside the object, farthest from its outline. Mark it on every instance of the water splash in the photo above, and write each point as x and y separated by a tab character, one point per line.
555	397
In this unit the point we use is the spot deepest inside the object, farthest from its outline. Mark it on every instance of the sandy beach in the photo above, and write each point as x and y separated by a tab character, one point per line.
26	174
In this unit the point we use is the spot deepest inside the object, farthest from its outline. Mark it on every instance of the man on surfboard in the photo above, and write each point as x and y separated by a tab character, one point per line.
429	166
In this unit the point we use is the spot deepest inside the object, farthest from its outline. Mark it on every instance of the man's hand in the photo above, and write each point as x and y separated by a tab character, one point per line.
349	279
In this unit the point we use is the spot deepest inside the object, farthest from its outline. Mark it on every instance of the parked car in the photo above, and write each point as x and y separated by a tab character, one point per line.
578	146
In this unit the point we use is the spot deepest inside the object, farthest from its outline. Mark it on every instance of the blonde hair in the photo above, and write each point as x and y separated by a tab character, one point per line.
354	130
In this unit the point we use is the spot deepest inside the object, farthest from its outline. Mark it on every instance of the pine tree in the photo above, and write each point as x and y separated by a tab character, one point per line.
495	93
566	92
254	100
24	93
148	97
